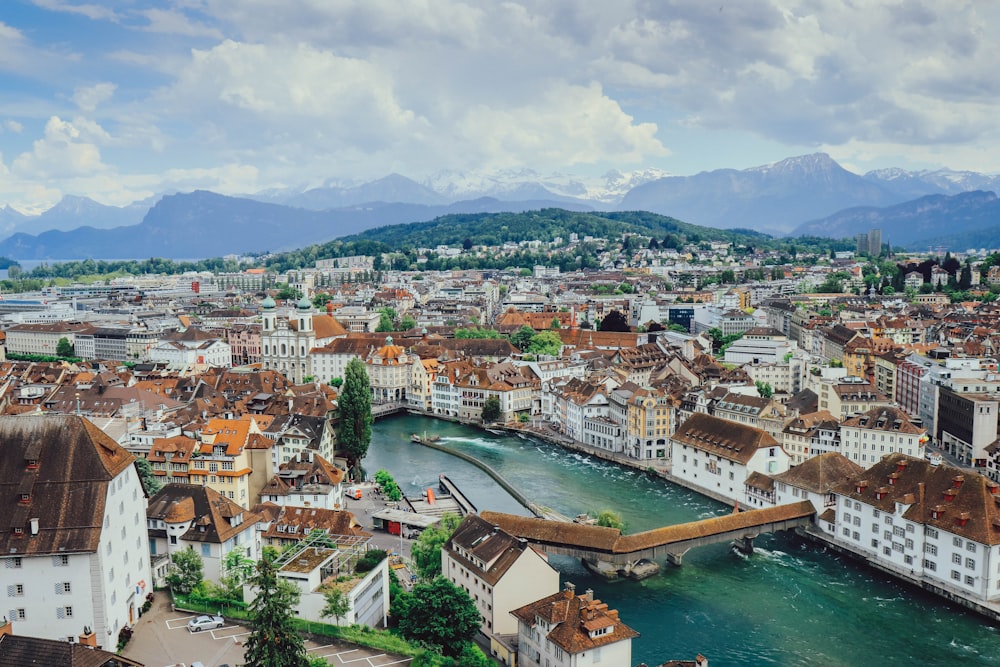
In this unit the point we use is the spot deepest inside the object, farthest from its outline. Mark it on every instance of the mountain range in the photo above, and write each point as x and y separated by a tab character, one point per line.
806	195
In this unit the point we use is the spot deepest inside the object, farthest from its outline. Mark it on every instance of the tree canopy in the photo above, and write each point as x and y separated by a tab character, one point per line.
614	321
545	342
426	549
185	572
491	409
354	406
438	613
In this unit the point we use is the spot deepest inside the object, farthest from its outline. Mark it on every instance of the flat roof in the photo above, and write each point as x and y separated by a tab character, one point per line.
409	518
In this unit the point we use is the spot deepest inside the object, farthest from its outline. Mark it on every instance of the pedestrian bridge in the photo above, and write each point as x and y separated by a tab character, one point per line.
608	547
385	409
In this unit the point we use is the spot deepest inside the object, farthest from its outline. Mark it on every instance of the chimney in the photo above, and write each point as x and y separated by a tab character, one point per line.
569	589
957	481
589	594
88	638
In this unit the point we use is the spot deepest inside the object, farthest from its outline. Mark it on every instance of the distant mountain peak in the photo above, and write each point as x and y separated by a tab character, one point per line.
801	164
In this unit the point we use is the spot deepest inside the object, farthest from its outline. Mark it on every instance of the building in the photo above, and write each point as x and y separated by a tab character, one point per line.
500	573
569	630
76	551
936	525
869	437
232	453
82	651
286	341
308	480
716	456
186	516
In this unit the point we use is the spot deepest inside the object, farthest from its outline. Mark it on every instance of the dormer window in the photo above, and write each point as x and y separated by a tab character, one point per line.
32	464
25	497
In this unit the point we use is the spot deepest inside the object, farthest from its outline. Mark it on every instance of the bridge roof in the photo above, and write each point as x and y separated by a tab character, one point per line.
610	540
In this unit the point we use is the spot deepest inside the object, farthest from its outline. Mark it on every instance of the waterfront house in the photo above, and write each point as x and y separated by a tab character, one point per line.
716	456
934	524
868	437
569	630
815	481
500	573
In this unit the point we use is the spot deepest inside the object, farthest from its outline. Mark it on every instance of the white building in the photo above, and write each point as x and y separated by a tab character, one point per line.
569	630
867	438
936	525
718	456
76	553
500	572
187	516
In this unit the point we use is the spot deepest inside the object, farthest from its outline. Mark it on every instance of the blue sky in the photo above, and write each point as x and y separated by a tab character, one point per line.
120	100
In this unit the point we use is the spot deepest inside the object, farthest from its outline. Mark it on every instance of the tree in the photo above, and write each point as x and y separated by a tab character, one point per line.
387	320
355	409
426	549
610	519
64	348
764	389
545	342
438	613
614	321
336	382
491	409
150	484
237	570
273	640
522	337
407	323
555	323
337	604
185	573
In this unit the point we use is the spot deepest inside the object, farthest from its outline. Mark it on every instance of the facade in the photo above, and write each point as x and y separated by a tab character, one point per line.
185	516
569	630
717	455
43	338
76	552
287	340
869	437
224	460
968	424
500	572
935	524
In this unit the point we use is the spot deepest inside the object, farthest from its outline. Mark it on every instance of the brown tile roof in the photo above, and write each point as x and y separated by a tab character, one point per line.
306	519
68	489
821	474
494	549
213	514
958	501
19	651
721	437
576	617
885	419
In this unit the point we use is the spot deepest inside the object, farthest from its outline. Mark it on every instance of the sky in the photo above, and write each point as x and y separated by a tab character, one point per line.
120	100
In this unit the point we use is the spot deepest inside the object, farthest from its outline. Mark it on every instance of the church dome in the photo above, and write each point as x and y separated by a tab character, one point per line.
304	304
268	303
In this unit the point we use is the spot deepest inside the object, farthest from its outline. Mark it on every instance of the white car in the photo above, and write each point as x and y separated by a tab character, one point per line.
205	623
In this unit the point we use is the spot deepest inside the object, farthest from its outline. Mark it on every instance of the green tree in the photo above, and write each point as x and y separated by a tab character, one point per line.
64	348
273	640
426	549
764	389
237	569
387	320
522	337
407	323
610	519
438	613
491	409
354	406
545	342
337	604
336	382
555	323
150	484
185	572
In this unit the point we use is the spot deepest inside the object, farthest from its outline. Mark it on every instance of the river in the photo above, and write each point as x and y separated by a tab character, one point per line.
790	603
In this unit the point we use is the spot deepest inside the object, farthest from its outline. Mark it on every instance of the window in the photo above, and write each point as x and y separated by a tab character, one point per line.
956	559
909	544
970	563
955	575
13	562
887	535
969	581
847	532
930	549
64	587
856	535
908	560
876	513
898	531
847	517
930	565
20	614
15	590
875	528
61	560
874	544
970	546
173	539
931	533
857	521
206	549
957	541
886	551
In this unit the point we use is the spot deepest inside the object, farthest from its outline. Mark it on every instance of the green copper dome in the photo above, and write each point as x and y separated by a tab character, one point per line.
268	303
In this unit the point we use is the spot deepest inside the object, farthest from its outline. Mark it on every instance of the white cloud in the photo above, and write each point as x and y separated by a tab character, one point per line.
177	23
96	12
89	97
62	152
13	126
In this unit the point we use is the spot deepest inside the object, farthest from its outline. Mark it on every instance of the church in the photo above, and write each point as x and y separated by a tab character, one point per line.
286	339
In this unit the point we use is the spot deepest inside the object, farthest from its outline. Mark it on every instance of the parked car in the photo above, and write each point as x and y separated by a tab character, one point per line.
205	623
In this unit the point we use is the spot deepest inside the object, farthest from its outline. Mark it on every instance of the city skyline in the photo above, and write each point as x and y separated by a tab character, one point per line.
126	99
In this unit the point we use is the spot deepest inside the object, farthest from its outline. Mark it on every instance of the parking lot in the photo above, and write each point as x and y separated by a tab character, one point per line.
161	638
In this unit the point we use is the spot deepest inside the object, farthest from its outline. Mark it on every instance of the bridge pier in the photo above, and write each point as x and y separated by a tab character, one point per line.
676	559
744	544
601	567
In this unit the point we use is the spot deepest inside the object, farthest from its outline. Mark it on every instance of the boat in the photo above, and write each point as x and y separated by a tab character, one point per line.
416	437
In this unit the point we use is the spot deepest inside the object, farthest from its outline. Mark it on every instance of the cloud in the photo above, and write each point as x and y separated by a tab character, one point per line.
12	125
63	152
96	12
177	23
89	97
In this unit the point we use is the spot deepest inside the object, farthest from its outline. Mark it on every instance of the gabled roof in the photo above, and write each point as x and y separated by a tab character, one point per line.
576	618
728	439
821	474
19	651
214	517
493	551
67	487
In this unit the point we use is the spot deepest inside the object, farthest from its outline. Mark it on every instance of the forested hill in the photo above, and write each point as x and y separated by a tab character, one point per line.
493	229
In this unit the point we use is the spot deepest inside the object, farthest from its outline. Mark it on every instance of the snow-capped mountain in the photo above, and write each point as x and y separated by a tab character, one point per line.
519	184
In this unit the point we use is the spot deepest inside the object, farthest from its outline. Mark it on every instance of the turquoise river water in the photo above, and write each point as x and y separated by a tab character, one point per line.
790	603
